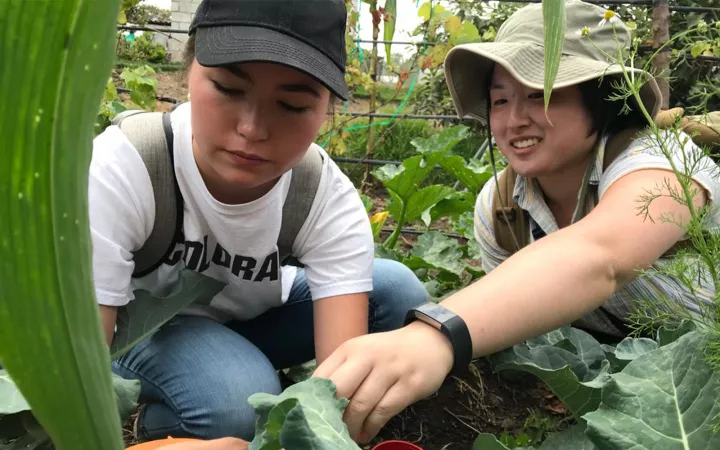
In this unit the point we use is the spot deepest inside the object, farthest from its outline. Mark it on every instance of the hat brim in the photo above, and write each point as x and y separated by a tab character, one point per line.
468	68
223	45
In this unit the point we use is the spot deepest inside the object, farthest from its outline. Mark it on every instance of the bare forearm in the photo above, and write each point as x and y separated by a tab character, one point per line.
549	284
338	319
108	315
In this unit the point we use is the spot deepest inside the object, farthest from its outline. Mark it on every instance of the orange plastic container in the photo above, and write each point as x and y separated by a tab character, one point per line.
152	445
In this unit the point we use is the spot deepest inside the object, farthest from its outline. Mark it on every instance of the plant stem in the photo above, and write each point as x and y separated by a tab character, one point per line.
681	179
393	238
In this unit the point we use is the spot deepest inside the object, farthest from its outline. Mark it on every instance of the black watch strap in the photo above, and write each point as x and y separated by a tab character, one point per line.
452	326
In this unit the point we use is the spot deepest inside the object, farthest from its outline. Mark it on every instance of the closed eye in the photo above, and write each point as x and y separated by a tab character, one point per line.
294	109
227	91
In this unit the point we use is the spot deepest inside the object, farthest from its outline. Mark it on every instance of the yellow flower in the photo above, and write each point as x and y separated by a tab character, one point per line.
609	16
584	32
379	217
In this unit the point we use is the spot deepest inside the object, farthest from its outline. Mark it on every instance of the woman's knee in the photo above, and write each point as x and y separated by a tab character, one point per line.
225	407
196	378
396	289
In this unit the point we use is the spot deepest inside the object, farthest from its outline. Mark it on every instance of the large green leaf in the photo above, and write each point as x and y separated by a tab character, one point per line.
424	199
307	415
439	251
629	349
472	175
146	313
666	399
442	142
454	206
406	180
554	25
570	361
667	334
55	58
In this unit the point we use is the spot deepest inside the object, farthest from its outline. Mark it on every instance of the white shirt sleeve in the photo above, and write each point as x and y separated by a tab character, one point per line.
336	244
121	210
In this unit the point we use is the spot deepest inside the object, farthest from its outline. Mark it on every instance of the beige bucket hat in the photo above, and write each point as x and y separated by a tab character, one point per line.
519	48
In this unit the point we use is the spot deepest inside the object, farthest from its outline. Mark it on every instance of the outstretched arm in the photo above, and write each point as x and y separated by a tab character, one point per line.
564	276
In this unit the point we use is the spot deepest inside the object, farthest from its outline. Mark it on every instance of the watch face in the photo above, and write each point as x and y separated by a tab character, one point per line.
437	312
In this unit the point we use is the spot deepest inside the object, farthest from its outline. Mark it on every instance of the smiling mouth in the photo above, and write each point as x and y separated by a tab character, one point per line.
525	143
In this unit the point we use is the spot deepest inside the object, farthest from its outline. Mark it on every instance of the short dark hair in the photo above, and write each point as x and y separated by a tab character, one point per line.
608	115
189	53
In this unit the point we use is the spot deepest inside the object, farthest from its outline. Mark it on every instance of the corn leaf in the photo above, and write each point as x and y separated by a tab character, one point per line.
55	58
146	313
554	26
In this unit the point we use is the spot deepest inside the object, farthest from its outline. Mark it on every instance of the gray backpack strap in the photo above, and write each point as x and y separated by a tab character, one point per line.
301	194
151	134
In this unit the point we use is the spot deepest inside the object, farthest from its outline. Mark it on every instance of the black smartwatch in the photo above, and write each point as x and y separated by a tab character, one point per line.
452	326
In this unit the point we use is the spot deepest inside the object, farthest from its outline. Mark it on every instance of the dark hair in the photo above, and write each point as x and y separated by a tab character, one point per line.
609	115
189	53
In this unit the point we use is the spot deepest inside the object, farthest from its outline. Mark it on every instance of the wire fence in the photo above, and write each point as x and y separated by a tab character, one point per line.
414	73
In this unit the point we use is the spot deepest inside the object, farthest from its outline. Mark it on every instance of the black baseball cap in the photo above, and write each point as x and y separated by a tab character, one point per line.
307	35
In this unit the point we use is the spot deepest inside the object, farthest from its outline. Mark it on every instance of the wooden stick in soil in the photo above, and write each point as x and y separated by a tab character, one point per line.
376	15
661	34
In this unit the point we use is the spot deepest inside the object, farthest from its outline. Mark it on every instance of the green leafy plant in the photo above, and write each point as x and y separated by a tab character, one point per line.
409	198
142	86
660	397
142	49
110	107
306	415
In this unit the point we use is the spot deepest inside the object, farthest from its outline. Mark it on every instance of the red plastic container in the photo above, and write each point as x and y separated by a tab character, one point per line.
396	445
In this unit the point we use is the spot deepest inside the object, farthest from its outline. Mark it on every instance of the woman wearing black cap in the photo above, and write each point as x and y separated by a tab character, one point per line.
262	75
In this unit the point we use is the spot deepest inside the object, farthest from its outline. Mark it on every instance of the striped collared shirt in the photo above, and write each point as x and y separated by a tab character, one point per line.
642	154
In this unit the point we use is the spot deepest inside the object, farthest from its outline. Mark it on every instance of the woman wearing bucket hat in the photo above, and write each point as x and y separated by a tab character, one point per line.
575	192
262	75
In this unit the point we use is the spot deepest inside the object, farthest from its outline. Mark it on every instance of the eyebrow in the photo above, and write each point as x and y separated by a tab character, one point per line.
297	87
496	86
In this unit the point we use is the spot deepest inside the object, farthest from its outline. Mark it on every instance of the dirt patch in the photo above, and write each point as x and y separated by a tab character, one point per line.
479	402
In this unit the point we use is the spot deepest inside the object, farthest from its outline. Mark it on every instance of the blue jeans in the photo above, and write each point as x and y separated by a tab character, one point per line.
197	374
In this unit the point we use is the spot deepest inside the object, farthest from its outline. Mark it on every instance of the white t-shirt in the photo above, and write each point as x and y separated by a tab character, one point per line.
235	244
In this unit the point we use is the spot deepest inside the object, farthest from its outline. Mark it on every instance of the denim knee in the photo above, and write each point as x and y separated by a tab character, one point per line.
396	289
196	376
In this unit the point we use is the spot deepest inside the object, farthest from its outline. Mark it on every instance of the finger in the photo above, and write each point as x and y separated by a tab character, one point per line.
396	399
350	375
366	398
331	363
